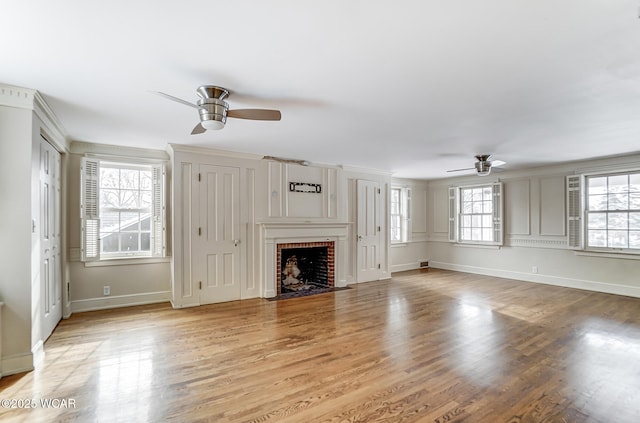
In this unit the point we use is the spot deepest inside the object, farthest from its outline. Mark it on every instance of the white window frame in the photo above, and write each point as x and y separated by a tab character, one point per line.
90	210
456	215
404	215
578	213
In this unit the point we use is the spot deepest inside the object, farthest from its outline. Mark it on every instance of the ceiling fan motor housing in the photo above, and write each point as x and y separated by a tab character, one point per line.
483	168
483	165
212	104
213	109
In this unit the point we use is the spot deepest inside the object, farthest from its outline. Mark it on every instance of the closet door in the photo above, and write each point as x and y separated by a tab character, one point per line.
50	258
368	236
216	247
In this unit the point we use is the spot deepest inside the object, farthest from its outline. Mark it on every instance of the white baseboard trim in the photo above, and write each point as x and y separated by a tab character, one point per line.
17	363
102	303
608	288
38	354
185	305
404	267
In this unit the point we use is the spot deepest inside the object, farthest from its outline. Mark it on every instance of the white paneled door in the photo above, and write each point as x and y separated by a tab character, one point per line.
50	259
368	230
217	249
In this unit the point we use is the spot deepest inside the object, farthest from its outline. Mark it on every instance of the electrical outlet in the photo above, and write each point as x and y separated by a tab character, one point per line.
107	290
534	269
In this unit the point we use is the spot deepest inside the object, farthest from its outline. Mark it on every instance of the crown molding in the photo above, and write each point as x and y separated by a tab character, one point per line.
13	96
179	148
26	98
53	129
358	169
82	147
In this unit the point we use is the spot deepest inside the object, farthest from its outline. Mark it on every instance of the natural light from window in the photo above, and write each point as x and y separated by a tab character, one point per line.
476	216
396	215
126	193
399	214
613	211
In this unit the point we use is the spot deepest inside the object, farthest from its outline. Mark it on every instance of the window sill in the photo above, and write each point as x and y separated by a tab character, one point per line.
474	245
126	261
399	244
608	254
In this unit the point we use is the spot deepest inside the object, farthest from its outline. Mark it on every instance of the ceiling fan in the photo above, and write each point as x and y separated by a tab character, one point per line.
214	110
483	166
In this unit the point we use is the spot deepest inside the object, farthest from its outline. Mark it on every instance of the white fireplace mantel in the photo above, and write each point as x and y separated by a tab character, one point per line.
272	234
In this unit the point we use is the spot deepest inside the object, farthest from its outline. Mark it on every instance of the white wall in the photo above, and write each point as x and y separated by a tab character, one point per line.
265	199
16	237
24	116
535	233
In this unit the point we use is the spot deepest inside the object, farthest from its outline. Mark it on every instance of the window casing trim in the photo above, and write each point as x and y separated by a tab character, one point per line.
90	209
404	215
577	236
127	261
455	215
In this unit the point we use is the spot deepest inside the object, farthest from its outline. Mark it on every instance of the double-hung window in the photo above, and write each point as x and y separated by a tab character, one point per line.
399	215
611	211
475	214
122	206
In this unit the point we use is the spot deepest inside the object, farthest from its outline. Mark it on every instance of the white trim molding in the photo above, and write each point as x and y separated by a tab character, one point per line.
118	301
405	266
596	286
38	353
109	151
559	244
179	148
17	363
26	98
16	96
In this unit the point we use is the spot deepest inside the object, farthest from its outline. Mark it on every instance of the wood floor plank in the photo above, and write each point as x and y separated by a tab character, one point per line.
435	346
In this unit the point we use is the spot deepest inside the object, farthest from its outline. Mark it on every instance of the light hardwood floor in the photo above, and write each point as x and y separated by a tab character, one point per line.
434	346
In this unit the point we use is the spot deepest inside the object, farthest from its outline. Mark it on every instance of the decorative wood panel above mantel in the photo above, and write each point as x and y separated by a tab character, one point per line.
319	204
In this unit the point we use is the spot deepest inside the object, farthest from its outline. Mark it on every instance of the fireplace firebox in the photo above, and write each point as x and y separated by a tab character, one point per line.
305	266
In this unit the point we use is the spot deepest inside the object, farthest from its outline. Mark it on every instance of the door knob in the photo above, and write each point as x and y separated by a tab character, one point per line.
236	242
359	237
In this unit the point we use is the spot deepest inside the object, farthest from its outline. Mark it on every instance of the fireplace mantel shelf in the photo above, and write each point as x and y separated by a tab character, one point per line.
271	223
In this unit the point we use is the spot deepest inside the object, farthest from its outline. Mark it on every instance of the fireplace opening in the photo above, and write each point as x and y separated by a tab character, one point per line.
305	267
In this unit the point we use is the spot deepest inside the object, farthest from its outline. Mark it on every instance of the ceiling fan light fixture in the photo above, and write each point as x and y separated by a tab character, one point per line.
212	124
213	113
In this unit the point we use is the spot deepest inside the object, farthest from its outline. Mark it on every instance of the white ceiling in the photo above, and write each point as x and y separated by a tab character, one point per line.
415	87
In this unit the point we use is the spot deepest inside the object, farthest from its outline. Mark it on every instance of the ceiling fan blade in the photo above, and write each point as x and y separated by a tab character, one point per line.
199	129
460	170
255	114
176	99
496	163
